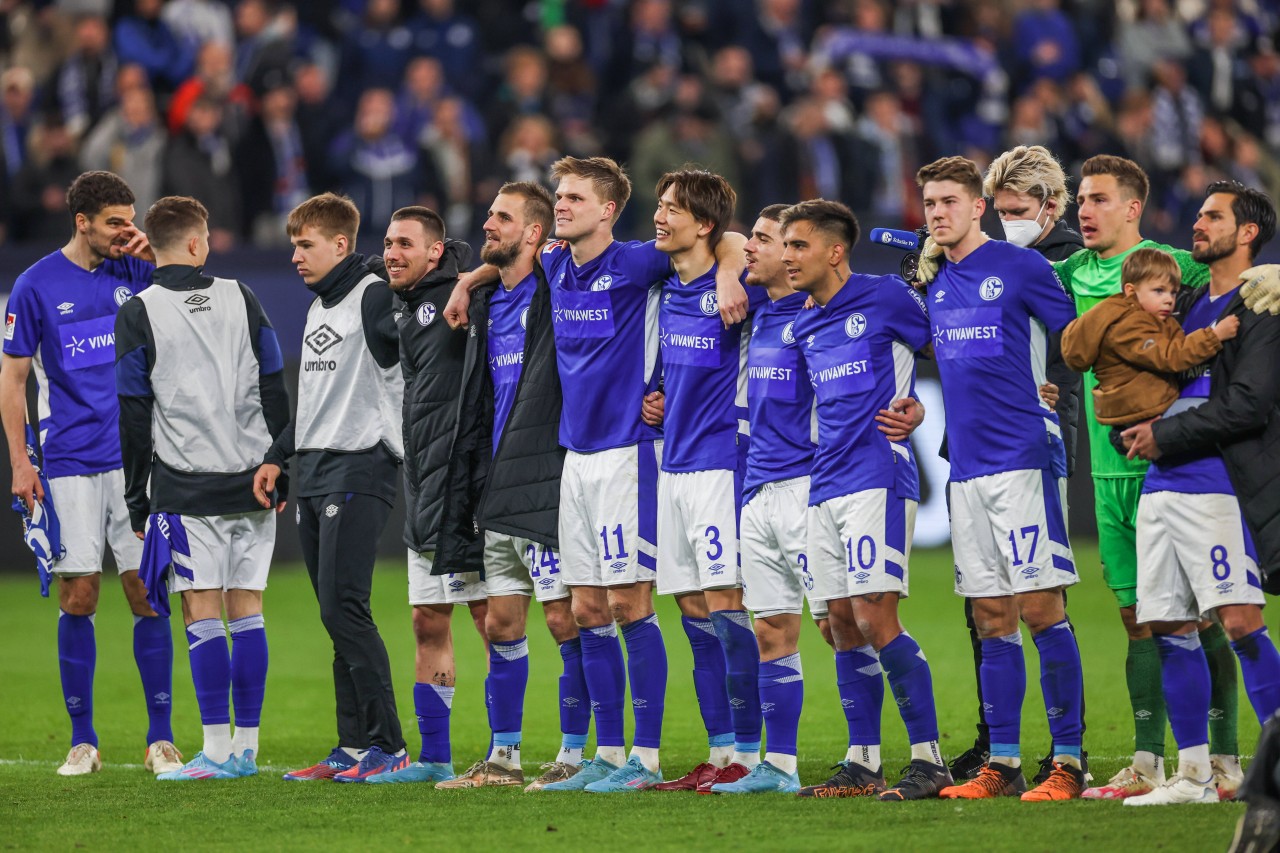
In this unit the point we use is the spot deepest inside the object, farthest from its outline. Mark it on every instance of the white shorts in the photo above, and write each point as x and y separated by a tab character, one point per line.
697	532
775	551
608	515
515	566
227	551
860	544
453	588
1009	534
92	514
1194	555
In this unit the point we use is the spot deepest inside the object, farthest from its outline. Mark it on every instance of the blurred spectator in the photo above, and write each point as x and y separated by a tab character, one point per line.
888	133
424	87
1218	69
643	102
1030	124
647	36
1258	102
199	21
819	162
129	141
40	37
263	47
198	162
523	90
40	189
528	150
1134	122
832	91
455	170
734	89
1246	28
1155	34
865	72
1044	43
214	78
571	89
375	52
777	37
452	37
17	91
319	124
83	86
1176	116
373	165
272	166
1088	123
146	40
1255	166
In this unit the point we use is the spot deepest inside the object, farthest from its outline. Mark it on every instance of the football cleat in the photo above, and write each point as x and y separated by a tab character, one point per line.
851	780
1258	830
704	773
1227	775
1064	783
764	778
1129	782
730	773
595	770
969	763
484	774
921	780
374	762
553	772
247	762
162	757
993	780
1177	791
418	771
630	777
82	759
202	768
337	761
1046	767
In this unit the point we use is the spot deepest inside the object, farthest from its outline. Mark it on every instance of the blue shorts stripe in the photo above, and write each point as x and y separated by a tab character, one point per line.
895	530
1054	514
647	498
1063	564
647	560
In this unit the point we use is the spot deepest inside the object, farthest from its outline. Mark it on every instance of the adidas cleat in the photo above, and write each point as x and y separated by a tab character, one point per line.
969	763
764	778
630	777
1177	791
1129	782
162	757
202	768
921	780
81	760
337	761
484	774
1064	783
373	763
704	774
729	773
418	771
851	780
553	772
246	762
595	770
994	780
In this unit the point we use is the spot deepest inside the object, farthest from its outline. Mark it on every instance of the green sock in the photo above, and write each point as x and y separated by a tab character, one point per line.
1224	700
1146	695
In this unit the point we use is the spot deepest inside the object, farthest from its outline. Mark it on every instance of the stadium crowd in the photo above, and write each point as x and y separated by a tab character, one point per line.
253	105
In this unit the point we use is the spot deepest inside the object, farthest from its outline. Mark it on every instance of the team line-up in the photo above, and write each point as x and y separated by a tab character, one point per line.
724	416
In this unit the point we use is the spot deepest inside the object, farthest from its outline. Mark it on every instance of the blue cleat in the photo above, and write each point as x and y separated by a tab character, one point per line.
200	768
630	777
418	771
764	778
247	762
595	770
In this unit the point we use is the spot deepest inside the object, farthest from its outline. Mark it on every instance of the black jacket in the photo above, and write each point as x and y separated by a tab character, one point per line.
1241	420
432	357
1059	244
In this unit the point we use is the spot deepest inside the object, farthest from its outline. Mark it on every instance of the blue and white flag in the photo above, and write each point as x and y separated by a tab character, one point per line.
40	528
165	546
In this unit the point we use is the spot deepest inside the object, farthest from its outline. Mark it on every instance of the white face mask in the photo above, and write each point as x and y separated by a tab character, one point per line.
1024	232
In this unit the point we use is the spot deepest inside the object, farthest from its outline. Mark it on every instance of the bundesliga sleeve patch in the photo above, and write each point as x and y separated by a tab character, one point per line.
9	321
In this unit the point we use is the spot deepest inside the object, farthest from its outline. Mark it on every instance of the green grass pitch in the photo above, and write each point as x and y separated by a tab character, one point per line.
124	807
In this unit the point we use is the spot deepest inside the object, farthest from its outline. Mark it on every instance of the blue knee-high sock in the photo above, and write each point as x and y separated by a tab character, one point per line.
575	707
1260	665
742	666
508	680
781	698
248	668
1062	683
709	677
153	652
912	684
1185	671
647	670
860	682
605	674
1004	685
77	657
211	670
432	705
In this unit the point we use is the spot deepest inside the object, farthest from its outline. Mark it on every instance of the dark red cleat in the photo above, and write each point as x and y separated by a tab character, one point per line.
704	774
732	773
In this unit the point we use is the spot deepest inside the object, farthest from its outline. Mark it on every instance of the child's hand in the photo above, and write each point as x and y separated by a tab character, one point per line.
1227	327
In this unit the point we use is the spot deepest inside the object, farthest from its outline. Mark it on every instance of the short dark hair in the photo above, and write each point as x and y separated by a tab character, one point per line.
93	191
539	204
1129	175
773	212
830	217
1249	206
173	218
962	170
329	213
706	195
430	221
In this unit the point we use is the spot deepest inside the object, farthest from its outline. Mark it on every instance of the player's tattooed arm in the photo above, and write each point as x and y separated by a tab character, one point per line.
455	311
731	261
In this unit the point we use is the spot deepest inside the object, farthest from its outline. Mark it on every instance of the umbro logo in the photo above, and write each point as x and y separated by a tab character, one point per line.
331	510
1144	714
847	703
736	702
65	307
937	296
618	566
196	299
322	339
767	706
639	703
1054	713
73	701
570	701
1214	714
161	697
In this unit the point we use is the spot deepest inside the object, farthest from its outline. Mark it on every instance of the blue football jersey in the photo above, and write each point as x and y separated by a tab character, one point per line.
606	341
991	314
779	398
508	310
1204	473
64	317
859	353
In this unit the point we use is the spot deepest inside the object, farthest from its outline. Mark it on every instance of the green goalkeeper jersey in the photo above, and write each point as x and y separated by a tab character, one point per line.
1091	279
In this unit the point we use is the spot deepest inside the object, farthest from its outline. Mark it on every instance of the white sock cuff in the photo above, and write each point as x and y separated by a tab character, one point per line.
247	623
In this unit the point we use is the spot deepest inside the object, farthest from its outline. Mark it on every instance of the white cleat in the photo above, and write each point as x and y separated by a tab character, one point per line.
1177	791
81	760
1227	775
162	757
1129	782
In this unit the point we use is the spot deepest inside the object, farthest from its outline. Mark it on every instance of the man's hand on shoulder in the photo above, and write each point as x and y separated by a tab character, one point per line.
1261	288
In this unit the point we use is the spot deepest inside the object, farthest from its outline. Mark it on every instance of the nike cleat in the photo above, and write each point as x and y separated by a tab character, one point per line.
729	773
553	772
1046	768
484	774
629	778
202	768
1227	775
418	771
764	778
373	763
921	780
1129	782
1064	783
704	774
1177	791
851	780
337	761
993	780
969	763
595	770
81	760
162	757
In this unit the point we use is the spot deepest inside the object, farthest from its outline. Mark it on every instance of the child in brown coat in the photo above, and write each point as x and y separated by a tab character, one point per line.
1136	349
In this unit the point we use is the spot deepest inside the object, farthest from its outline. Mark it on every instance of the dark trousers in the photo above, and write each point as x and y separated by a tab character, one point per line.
339	535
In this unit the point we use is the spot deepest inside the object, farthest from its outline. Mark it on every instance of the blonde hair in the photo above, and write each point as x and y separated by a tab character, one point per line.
1032	170
607	178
